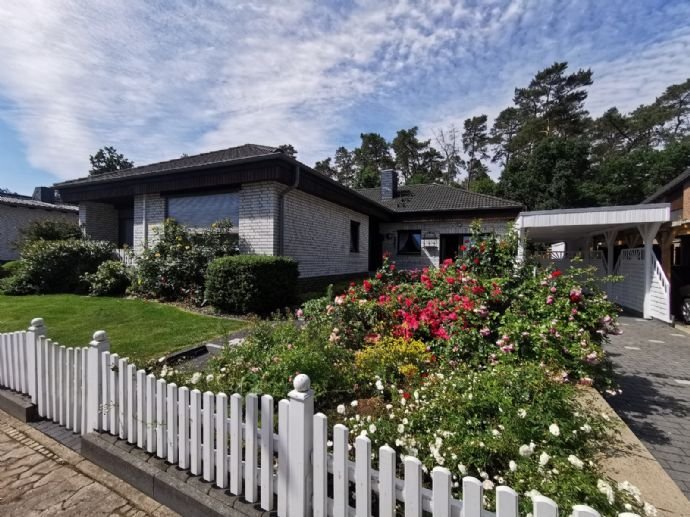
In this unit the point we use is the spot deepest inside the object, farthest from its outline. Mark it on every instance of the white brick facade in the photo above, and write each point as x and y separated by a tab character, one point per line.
430	255
259	229
14	218
98	220
317	235
149	214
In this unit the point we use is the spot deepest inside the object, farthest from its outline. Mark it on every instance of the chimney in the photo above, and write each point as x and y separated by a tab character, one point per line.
45	194
389	184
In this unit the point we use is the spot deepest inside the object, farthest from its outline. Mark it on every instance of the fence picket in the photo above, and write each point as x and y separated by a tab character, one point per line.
236	444
151	413
208	423
12	361
141	408
69	388
506	502
104	403
222	440
41	375
183	414
132	403
341	485
195	433
441	496
76	390
320	455
267	452
84	390
3	361
123	381
362	476
580	510
544	507
62	388
113	407
472	495
250	450
413	487
283	415
161	427
172	422
386	481
23	363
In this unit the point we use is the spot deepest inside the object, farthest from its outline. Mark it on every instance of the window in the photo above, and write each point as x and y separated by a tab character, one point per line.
409	242
202	210
354	237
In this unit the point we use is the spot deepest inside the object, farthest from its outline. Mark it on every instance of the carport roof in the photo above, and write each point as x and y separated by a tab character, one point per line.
560	225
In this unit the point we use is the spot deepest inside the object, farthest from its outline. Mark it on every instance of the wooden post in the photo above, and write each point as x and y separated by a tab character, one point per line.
301	422
34	333
94	383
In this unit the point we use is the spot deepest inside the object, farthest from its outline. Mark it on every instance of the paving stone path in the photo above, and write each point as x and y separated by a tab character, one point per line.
38	476
652	364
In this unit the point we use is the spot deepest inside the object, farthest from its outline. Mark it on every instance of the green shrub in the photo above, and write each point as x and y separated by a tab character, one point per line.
49	231
251	283
10	268
175	267
110	279
58	266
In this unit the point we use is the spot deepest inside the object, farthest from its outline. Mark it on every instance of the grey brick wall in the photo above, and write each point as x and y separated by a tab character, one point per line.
149	214
99	220
259	209
430	256
13	219
317	235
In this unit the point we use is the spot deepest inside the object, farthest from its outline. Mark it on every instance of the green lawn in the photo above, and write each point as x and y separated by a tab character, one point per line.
137	329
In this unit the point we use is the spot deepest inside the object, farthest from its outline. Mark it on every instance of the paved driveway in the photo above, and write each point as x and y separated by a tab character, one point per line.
652	364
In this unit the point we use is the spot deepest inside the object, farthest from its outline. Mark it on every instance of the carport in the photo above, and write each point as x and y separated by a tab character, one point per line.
596	236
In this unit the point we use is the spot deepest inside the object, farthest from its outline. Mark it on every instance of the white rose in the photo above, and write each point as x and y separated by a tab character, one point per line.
462	469
554	430
372	428
196	377
522	413
544	459
488	485
525	451
341	409
512	466
575	461
354	403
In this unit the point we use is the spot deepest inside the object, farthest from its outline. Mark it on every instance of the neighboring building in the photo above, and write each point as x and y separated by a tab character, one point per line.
280	206
16	212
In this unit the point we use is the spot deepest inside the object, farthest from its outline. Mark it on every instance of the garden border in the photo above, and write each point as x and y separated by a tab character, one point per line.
19	406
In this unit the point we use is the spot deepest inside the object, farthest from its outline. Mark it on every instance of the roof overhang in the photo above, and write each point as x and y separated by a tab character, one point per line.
562	225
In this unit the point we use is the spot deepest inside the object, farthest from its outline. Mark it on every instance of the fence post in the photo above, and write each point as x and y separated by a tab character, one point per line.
301	427
35	331
94	382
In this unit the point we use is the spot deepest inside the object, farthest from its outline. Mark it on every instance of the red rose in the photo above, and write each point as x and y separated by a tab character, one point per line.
406	396
463	248
476	261
367	285
379	276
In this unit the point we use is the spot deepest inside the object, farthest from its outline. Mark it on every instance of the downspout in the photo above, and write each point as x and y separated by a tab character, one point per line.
143	222
281	211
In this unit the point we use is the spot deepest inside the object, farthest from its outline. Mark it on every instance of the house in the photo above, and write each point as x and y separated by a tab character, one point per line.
17	212
280	206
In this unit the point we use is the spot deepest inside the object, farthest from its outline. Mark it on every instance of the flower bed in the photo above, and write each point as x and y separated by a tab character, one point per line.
473	365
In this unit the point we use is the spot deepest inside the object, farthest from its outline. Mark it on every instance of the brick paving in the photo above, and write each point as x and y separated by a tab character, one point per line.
38	476
652	365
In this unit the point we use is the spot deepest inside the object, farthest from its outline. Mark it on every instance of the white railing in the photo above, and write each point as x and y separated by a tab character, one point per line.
126	256
660	293
632	254
219	438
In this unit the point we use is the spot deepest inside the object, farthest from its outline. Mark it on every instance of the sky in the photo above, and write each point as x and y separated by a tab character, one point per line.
156	79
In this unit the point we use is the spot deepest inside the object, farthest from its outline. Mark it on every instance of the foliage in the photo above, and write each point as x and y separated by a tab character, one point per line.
139	329
270	357
506	424
49	230
251	283
108	159
174	268
10	268
58	266
392	359
369	158
112	278
288	149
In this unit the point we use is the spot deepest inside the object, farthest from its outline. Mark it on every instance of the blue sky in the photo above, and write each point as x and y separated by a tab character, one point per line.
158	79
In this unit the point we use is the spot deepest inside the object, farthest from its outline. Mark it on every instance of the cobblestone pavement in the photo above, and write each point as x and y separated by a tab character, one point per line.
652	365
38	476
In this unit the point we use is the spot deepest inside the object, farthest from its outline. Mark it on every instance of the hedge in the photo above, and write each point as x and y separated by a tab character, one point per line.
251	283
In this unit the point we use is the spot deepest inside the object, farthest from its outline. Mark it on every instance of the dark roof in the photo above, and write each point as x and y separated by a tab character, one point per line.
675	182
29	202
213	158
434	198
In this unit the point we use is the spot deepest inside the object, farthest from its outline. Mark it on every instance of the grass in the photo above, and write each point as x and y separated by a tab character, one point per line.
138	329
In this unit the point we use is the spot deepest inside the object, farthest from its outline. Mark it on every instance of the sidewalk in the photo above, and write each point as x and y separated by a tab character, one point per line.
39	476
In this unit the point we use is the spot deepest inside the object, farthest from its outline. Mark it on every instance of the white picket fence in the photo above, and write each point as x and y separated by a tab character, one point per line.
233	441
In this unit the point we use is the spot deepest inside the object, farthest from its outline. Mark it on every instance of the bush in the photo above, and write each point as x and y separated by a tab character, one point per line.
58	266
392	359
175	267
49	231
110	279
10	268
251	283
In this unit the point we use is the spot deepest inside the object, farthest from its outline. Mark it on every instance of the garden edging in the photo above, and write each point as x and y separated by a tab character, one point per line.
185	494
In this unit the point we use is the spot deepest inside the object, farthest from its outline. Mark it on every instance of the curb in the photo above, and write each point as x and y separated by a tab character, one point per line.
19	406
169	485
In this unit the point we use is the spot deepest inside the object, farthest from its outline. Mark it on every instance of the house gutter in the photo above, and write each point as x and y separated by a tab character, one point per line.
281	210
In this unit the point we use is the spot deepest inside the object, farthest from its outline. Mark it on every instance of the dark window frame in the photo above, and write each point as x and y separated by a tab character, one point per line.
406	233
354	236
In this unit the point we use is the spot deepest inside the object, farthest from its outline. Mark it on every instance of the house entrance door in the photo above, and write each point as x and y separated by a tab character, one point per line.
450	245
